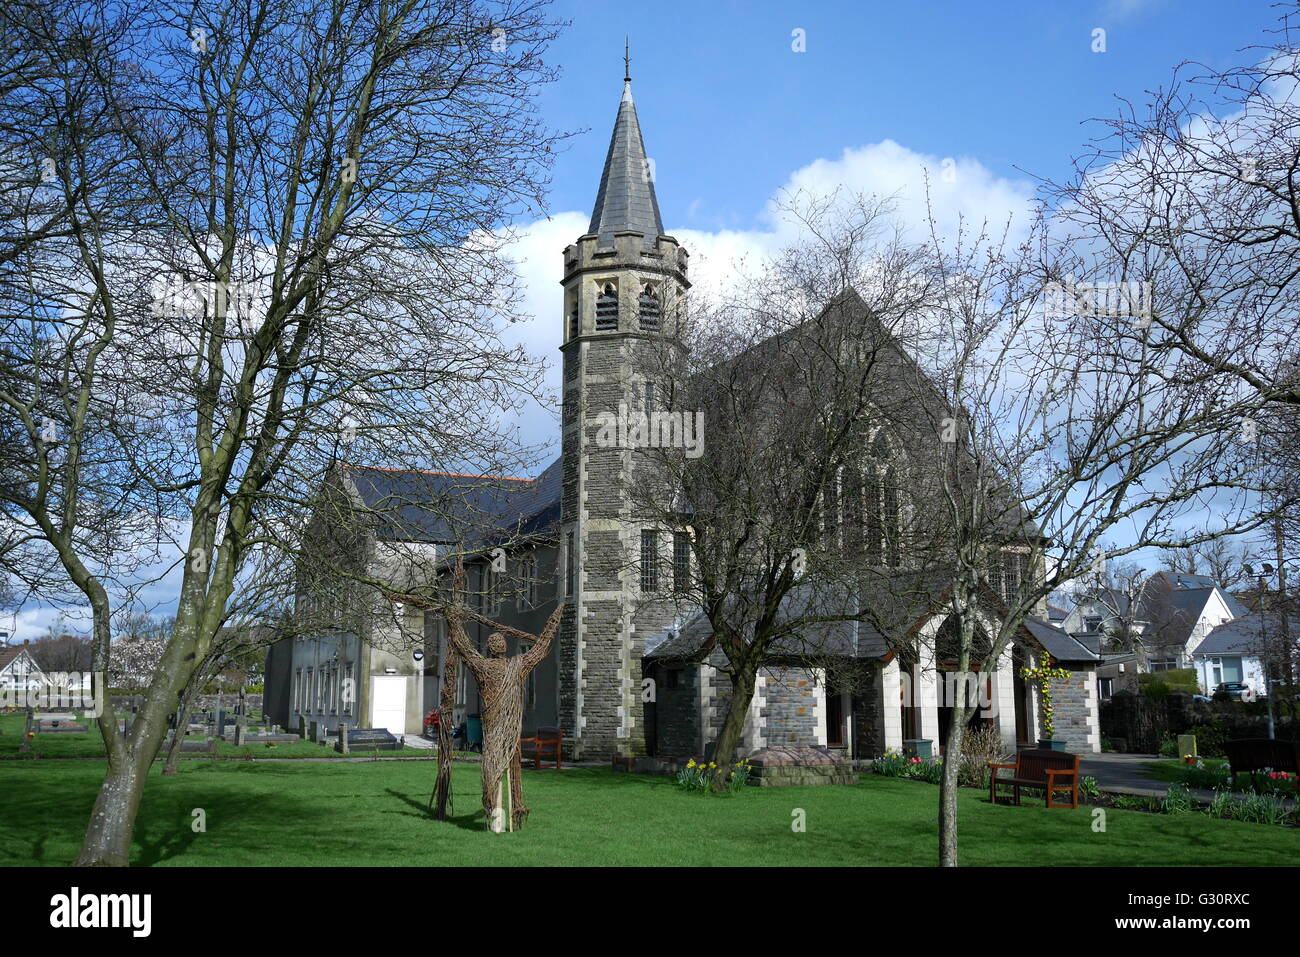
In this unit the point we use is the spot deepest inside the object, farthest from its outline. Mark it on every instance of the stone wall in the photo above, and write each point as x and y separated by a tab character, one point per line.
1074	703
868	729
677	711
794	698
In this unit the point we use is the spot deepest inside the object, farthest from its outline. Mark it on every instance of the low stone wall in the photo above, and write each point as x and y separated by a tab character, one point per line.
206	702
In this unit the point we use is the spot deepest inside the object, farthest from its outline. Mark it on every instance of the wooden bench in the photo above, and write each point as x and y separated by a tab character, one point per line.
545	744
1253	755
1050	771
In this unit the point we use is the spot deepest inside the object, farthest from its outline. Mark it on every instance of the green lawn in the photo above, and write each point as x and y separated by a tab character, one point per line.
373	813
1172	771
64	744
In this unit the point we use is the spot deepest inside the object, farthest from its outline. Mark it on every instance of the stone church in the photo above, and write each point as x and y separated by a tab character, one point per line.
624	676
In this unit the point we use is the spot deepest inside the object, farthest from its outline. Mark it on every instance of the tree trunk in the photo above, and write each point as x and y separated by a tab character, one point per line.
441	798
733	725
182	722
948	789
112	822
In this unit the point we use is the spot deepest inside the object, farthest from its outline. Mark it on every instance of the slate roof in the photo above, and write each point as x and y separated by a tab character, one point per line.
1198	587
1241	636
626	198
7	655
1058	643
442	507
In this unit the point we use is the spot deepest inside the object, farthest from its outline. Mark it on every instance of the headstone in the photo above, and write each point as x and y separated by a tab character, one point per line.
221	723
371	739
302	727
1186	745
313	732
343	739
239	731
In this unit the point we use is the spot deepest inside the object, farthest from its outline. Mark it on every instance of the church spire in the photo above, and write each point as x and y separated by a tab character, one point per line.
626	199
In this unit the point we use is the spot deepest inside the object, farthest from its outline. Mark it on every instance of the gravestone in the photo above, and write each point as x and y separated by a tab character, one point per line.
302	727
342	746
371	739
313	732
1186	745
240	731
221	723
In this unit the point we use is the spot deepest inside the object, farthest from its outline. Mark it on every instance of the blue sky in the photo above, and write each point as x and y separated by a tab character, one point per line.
882	97
729	110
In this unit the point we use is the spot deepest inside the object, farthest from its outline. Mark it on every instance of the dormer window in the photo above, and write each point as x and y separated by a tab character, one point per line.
649	308
607	308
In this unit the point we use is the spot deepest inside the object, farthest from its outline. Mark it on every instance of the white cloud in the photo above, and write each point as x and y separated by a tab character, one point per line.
959	188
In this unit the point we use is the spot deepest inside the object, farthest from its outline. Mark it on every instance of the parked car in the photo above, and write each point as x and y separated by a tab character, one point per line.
1234	691
1200	697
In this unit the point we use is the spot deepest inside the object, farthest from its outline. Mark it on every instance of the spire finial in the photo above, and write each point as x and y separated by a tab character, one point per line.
627	63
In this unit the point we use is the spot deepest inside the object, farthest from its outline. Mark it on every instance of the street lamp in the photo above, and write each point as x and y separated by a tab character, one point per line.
1266	572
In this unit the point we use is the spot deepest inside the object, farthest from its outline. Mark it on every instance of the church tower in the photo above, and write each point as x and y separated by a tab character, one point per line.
624	283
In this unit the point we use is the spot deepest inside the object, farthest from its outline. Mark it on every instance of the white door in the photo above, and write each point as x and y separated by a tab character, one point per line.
388	702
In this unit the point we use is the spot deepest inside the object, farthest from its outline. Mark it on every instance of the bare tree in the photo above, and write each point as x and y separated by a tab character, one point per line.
777	385
1192	197
282	245
1219	558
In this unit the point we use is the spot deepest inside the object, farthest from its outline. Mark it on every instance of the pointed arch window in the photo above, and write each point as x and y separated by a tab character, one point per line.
889	520
649	308
881	523
607	308
851	518
830	502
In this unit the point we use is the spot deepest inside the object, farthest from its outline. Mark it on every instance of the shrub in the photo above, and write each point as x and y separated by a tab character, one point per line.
1088	786
1181	679
1169	748
1155	690
978	748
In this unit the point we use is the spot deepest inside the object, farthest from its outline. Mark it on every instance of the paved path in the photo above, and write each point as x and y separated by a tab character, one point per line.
1127	774
1124	772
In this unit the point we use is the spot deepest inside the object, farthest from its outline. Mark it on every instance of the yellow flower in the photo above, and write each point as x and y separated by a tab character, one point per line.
690	763
712	765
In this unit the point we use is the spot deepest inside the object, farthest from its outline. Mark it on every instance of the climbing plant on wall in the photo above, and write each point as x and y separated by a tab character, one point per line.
1043	676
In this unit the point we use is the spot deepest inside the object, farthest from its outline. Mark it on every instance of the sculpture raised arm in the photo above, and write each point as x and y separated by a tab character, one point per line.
534	655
